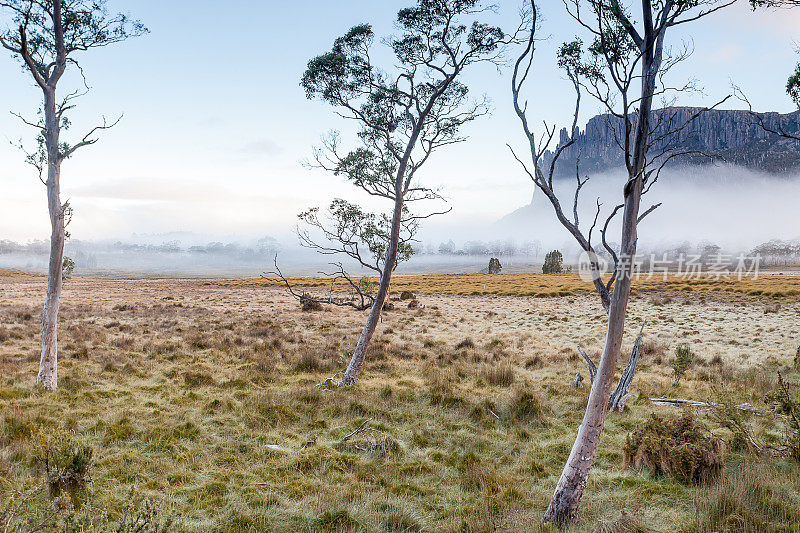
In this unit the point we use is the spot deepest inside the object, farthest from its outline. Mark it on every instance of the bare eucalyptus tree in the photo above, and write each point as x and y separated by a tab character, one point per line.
46	36
403	117
623	69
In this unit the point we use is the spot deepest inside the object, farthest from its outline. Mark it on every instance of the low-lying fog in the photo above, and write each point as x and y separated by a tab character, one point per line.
734	208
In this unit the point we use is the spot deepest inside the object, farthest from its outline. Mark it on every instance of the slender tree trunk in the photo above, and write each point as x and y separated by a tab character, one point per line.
357	360
568	493
48	363
567	496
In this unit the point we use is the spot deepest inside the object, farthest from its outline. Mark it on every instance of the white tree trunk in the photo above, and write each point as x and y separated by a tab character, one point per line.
570	487
48	363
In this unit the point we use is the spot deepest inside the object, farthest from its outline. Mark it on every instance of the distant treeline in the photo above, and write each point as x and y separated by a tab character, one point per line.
773	252
84	252
497	248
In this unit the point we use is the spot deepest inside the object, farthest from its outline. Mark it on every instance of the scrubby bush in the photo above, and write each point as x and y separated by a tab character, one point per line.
65	463
309	304
494	266
553	263
683	360
466	343
308	362
680	448
785	404
406	295
60	503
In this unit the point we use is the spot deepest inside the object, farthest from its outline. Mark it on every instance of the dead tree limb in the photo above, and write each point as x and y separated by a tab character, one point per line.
592	366
681	402
620	394
362	300
617	400
360	429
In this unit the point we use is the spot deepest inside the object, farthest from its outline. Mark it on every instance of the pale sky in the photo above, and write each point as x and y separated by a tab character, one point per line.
215	124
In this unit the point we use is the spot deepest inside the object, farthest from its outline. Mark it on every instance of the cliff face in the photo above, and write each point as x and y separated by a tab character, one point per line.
731	136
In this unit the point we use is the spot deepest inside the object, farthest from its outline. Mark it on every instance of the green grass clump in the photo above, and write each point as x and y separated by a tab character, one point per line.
753	497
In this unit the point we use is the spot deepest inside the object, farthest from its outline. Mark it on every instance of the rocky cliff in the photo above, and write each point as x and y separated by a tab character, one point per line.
731	136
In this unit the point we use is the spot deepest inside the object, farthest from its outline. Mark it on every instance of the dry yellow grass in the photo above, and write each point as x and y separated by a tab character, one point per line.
544	285
17	274
202	396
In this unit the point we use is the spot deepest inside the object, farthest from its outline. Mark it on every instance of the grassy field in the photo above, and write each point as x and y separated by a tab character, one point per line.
201	396
541	285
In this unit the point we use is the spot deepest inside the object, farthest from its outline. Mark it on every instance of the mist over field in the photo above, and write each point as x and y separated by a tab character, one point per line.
729	206
733	207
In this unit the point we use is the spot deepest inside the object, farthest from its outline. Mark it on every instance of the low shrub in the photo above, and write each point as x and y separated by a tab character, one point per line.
652	349
198	379
784	403
308	362
66	463
524	406
466	343
308	304
683	360
680	448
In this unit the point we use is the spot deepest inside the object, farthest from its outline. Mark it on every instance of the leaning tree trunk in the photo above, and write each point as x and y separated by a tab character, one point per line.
567	496
401	183
357	360
48	363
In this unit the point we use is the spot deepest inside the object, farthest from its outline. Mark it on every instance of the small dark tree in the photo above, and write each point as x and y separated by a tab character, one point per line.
403	117
494	266
553	263
46	36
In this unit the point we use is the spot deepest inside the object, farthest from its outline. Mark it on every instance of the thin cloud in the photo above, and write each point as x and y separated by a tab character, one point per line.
262	147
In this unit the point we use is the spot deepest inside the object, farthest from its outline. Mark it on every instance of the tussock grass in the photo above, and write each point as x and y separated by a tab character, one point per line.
203	398
754	496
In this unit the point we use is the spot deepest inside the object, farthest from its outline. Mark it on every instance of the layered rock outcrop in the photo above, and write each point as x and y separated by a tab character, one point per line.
732	136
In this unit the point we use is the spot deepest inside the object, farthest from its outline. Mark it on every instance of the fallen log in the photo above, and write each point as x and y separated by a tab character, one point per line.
680	402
